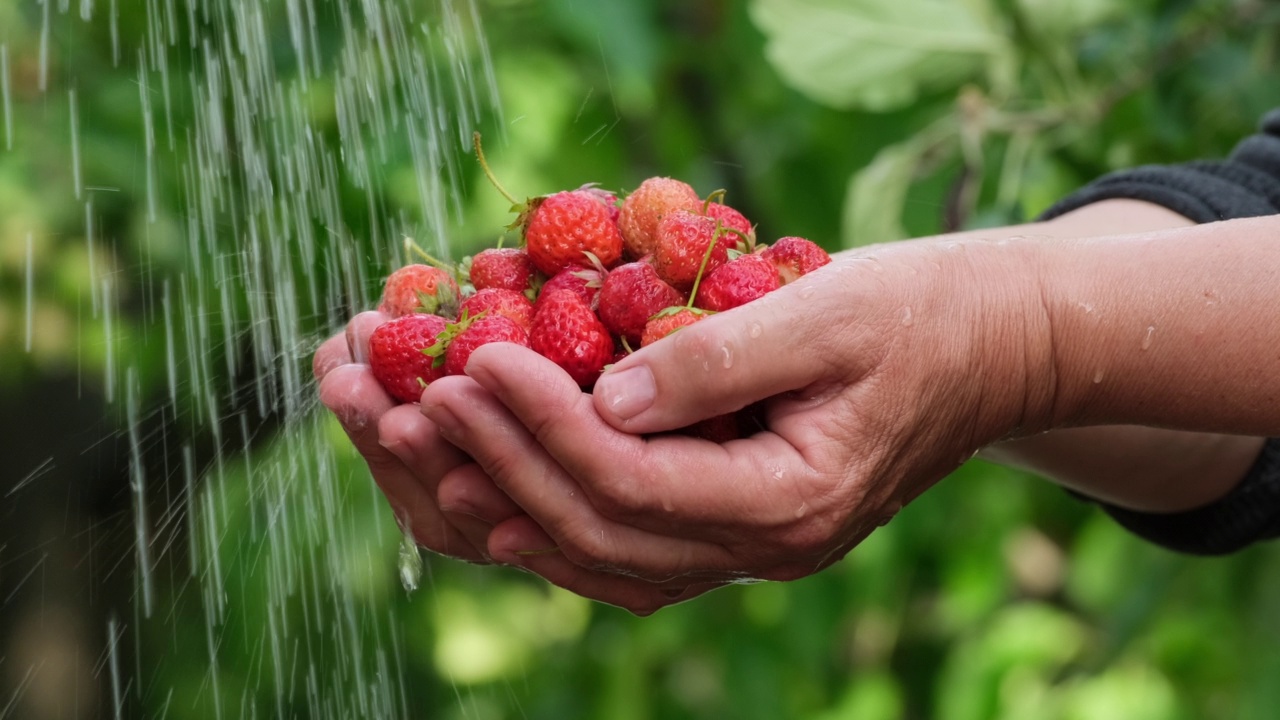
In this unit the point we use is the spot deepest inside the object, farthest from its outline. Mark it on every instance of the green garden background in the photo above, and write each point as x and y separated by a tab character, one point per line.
184	533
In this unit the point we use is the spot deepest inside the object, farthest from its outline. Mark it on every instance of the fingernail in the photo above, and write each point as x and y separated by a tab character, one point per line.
628	393
443	418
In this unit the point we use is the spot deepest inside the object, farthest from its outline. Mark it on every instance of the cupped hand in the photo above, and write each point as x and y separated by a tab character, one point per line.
447	500
878	374
405	453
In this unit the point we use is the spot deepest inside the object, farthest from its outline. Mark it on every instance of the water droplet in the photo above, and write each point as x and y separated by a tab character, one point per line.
756	329
802	510
1146	341
726	356
1086	307
807	292
907	318
1097	378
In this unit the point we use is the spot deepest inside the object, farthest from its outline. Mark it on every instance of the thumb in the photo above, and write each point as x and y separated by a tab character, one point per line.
720	365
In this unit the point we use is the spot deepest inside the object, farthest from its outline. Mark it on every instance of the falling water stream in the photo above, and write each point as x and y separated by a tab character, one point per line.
286	149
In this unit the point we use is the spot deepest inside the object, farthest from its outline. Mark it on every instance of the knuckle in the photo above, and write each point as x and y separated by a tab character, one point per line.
617	498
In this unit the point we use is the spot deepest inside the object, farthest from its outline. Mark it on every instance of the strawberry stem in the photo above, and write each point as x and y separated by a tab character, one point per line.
484	165
717	196
706	257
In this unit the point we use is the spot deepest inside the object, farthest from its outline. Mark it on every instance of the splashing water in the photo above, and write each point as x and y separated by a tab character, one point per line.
285	148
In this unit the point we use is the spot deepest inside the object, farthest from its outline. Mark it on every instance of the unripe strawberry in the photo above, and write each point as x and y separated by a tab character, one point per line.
420	289
736	283
500	301
562	228
633	293
396	356
568	333
481	331
645	207
506	268
795	256
681	243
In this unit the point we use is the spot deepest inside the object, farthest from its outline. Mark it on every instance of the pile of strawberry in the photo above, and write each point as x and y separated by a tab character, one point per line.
593	278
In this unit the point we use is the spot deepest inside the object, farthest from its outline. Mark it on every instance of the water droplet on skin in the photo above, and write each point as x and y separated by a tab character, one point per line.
1086	307
802	510
756	330
726	356
907	318
807	292
1146	341
1097	378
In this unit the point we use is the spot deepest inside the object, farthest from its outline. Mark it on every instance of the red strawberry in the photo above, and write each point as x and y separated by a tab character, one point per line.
500	301
681	243
737	282
481	331
562	228
633	293
604	196
586	282
733	220
566	332
645	207
507	268
668	321
420	289
795	256
396	355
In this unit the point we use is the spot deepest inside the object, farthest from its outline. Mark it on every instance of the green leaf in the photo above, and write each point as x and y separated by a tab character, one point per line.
1061	19
877	194
875	54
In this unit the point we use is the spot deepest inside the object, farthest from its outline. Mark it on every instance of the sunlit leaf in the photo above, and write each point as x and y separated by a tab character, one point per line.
876	55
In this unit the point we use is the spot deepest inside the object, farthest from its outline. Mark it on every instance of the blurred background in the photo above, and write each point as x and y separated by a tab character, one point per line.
194	193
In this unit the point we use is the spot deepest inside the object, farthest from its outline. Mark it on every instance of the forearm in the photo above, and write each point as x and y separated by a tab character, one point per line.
1172	329
1141	468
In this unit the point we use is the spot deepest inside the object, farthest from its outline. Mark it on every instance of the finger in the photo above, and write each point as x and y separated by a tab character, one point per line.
469	491
331	353
359	403
722	363
359	330
633	594
473	419
464	493
669	484
470	500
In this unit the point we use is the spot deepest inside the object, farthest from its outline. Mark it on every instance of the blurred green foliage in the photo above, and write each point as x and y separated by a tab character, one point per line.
993	596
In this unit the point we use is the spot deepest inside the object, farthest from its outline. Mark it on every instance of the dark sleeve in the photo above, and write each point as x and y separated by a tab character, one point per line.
1246	184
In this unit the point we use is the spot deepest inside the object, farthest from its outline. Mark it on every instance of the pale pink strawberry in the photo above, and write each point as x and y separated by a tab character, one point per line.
420	289
645	207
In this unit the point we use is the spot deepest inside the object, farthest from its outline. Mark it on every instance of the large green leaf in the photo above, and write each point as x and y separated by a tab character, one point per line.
876	54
